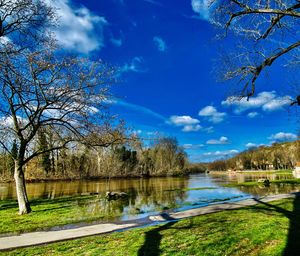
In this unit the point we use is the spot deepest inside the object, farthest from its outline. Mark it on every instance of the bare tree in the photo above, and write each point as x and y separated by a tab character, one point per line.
271	32
68	96
23	23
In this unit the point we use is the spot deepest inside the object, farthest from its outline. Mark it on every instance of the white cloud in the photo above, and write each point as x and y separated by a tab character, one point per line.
192	128
160	44
183	120
250	145
133	66
116	41
4	40
223	140
137	132
226	153
8	121
192	146
209	129
252	114
267	101
282	136
156	133
212	114
79	29
202	8
188	123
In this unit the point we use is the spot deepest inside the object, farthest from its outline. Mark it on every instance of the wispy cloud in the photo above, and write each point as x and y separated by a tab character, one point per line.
252	114
221	141
251	145
135	65
192	146
79	29
187	123
283	136
137	132
153	2
192	128
226	153
160	44
211	113
136	108
202	8
116	41
267	101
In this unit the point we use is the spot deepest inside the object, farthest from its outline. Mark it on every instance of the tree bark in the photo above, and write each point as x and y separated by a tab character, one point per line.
24	206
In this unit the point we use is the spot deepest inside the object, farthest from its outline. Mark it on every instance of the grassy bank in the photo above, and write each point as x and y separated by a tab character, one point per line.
262	172
267	172
49	213
255	183
274	232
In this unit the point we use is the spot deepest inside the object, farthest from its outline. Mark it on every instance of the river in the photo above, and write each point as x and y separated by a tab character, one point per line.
150	196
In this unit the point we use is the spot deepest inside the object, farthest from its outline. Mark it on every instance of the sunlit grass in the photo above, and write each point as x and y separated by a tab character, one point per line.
256	230
48	213
255	183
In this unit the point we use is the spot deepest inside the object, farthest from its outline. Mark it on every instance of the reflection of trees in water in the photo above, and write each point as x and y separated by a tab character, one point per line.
147	195
7	191
144	194
261	190
240	177
104	207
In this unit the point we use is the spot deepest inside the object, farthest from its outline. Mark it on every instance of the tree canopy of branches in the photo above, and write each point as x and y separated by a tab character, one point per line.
40	90
271	33
22	24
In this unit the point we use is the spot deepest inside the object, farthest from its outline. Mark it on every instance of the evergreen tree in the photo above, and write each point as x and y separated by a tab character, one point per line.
12	157
45	160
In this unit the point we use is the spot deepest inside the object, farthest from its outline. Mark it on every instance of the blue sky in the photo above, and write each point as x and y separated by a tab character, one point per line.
166	52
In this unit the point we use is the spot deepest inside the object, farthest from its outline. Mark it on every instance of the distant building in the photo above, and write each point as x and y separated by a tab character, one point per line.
297	167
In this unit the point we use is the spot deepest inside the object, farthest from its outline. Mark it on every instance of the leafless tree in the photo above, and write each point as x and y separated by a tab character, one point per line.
271	32
67	96
23	23
42	92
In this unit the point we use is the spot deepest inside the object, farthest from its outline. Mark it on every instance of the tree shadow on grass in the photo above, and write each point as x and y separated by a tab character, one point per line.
153	237
293	239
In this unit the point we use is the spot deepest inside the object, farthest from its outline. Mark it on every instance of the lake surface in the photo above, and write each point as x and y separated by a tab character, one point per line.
151	196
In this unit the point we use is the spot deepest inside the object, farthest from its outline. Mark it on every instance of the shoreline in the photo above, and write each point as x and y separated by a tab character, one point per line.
37	180
46	237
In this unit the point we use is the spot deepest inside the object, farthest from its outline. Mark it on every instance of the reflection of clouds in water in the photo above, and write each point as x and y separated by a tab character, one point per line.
211	194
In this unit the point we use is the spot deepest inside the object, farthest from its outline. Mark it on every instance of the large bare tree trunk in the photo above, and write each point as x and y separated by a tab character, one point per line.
24	206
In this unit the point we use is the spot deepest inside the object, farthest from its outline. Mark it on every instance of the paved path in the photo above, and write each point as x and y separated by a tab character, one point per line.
38	238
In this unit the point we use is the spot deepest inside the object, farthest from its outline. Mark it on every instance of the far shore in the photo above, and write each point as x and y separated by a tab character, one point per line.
58	179
252	171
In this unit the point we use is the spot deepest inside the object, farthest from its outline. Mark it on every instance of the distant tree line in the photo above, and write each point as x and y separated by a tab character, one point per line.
275	157
163	158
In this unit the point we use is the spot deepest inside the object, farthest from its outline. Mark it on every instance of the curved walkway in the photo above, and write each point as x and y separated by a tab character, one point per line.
39	238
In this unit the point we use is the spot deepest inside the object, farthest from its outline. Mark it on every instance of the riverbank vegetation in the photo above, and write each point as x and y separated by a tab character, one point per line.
255	183
278	156
164	157
225	233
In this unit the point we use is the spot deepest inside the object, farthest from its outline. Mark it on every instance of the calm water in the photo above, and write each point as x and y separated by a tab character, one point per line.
150	196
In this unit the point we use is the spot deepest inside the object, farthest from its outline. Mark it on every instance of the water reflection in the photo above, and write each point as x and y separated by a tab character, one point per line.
240	177
149	196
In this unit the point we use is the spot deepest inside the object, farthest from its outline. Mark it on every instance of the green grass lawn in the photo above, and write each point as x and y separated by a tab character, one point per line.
267	172
48	213
255	183
264	229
